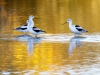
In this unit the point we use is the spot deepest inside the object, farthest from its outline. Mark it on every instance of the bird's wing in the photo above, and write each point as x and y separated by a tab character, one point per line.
78	27
35	28
23	26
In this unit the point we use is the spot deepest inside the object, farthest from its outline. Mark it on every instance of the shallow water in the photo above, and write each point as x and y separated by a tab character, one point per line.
57	52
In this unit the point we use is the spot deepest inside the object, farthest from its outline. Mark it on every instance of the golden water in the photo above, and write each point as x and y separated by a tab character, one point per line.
57	52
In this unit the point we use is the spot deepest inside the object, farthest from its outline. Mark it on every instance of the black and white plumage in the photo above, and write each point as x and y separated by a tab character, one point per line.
80	28
37	30
24	28
34	30
76	29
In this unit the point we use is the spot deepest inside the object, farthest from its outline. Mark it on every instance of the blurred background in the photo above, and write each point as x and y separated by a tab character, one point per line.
50	14
55	54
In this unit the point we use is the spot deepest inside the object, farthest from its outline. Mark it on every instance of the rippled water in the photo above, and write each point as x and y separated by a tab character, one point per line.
57	52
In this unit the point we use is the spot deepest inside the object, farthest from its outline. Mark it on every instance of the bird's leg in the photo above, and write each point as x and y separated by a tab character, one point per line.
36	35
74	34
78	35
25	33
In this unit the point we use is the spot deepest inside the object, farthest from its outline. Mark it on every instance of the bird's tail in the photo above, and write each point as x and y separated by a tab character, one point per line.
43	31
85	30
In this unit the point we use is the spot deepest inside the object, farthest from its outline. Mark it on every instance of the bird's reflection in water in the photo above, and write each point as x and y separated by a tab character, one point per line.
30	46
75	42
31	41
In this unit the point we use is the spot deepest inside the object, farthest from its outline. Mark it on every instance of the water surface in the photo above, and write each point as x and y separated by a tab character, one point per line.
57	52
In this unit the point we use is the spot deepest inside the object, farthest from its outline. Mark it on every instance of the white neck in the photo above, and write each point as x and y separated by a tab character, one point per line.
32	22
70	24
29	26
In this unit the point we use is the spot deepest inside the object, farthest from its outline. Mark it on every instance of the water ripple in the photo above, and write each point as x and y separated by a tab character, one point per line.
53	37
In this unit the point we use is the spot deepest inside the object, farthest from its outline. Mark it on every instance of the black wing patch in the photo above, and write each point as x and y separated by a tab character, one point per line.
38	31
79	29
21	28
77	26
34	27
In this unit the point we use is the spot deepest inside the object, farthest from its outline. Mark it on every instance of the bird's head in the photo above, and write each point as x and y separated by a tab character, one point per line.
31	17
69	20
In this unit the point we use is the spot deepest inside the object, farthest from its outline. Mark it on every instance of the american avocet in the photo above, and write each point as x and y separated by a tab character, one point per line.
76	29
24	27
34	30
